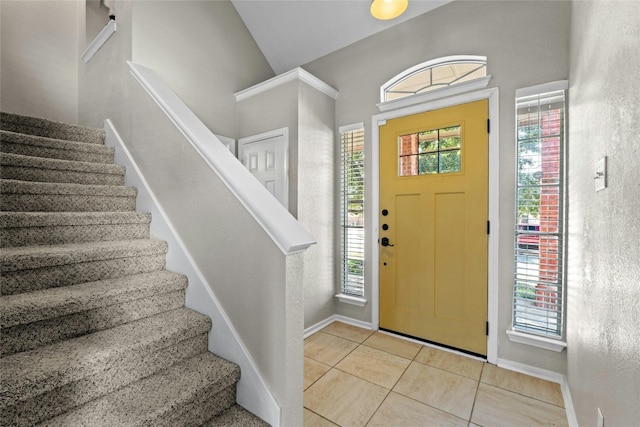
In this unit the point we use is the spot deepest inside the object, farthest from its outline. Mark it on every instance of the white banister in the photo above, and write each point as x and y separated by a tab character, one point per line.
288	234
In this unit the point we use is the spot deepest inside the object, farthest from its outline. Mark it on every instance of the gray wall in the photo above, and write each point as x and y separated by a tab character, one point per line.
39	48
203	51
316	200
604	232
259	114
526	42
245	269
310	117
96	17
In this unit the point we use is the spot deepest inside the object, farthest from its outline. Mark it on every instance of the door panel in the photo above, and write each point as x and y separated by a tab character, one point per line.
434	186
266	157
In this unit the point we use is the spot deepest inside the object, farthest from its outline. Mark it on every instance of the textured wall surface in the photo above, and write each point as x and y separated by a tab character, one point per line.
316	200
244	268
526	43
310	116
604	231
39	48
203	51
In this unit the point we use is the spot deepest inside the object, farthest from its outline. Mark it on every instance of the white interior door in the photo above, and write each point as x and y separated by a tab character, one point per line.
267	157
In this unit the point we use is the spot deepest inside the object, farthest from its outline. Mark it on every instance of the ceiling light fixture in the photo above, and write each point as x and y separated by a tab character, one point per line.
388	9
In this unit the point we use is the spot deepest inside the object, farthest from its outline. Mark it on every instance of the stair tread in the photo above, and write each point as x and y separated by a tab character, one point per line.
34	306
20	160
236	416
9	186
12	259
45	127
51	219
34	372
147	400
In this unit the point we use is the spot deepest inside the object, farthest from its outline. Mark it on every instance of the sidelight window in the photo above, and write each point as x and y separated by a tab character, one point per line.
539	282
352	210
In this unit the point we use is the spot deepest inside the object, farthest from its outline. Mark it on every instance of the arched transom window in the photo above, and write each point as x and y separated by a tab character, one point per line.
434	74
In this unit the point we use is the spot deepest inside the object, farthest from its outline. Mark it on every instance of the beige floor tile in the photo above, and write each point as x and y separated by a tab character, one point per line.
526	385
390	344
455	363
313	370
327	349
373	365
344	399
441	389
348	332
400	411
497	407
314	420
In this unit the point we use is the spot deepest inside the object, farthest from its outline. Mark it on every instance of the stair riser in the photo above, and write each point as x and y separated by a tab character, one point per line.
29	336
126	371
14	282
56	235
208	404
52	175
17	202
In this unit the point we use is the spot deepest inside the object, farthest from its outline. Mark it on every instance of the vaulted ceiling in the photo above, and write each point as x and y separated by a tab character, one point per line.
293	32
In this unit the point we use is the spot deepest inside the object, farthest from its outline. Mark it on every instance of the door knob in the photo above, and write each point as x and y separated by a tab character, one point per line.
385	242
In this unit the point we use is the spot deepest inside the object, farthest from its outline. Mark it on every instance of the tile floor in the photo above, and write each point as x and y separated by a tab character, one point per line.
355	377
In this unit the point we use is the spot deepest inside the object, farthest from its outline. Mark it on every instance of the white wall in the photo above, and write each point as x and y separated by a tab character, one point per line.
203	51
40	50
526	43
604	232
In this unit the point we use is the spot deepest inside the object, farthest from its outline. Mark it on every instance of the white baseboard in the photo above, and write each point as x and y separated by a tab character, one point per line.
252	391
549	376
568	403
336	318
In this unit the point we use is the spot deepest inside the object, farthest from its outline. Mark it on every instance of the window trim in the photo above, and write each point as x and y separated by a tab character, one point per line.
343	297
515	334
432	63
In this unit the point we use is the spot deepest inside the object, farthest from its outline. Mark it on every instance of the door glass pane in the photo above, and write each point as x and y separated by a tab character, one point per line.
430	152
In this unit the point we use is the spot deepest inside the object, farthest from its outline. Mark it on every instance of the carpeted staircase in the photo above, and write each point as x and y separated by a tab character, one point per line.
94	331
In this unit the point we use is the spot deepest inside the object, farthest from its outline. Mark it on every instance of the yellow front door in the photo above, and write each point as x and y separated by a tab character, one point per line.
433	226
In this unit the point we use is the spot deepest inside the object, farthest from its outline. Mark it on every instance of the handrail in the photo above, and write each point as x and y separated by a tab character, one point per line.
288	234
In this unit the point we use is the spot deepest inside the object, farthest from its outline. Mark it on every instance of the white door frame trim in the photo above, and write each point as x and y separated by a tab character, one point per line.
492	94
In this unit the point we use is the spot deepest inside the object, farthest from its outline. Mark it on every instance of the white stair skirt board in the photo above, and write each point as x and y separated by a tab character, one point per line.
252	391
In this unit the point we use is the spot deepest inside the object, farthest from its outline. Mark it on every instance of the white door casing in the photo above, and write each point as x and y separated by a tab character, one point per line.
266	156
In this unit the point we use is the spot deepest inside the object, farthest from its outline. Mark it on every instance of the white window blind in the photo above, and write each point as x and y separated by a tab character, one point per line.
538	303
352	210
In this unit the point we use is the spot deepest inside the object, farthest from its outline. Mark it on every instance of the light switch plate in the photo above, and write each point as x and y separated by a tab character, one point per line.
600	177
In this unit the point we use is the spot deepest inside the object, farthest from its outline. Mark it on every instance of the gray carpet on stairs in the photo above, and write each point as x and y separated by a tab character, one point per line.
94	329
